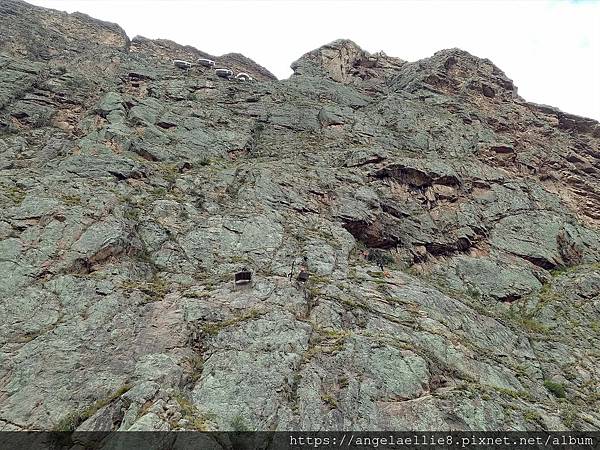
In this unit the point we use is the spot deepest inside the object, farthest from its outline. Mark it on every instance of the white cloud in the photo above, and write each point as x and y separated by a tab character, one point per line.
551	49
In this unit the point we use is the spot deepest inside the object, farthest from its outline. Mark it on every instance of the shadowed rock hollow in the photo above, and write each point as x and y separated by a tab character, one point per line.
131	192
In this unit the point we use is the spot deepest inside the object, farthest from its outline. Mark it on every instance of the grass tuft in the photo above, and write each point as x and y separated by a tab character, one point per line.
73	420
558	389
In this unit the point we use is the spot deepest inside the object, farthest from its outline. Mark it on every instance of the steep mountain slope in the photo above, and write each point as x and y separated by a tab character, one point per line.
450	229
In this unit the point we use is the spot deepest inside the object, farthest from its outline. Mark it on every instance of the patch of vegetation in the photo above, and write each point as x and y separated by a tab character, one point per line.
72	81
196	294
513	393
520	370
333	341
15	193
558	389
312	291
72	420
212	329
71	200
358	250
131	213
144	256
297	378
170	172
238	259
238	424
69	423
384	289
561	271
534	325
569	416
547	294
379	275
197	365
352	273
319	279
473	293
350	303
336	334
469	387
158	193
526	321
189	412
593	397
343	382
532	416
311	352
329	400
43	120
60	69
569	372
155	289
571	269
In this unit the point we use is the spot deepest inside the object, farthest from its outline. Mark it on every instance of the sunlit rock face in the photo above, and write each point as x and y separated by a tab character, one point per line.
448	227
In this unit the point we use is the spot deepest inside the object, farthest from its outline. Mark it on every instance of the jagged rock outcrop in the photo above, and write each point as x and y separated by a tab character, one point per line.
345	62
450	229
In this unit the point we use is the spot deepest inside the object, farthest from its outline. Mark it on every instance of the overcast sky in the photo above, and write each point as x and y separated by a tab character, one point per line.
551	49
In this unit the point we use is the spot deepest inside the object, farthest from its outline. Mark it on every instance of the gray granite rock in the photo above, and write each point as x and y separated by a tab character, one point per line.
449	230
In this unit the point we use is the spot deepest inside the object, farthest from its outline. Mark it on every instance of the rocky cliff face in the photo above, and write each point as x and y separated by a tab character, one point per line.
450	229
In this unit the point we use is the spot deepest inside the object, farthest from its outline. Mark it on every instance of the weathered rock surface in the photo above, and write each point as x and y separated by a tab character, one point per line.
131	191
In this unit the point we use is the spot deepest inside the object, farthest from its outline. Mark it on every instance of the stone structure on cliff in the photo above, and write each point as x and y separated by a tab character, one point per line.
131	191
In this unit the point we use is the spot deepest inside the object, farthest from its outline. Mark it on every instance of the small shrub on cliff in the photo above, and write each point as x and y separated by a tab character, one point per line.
558	389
